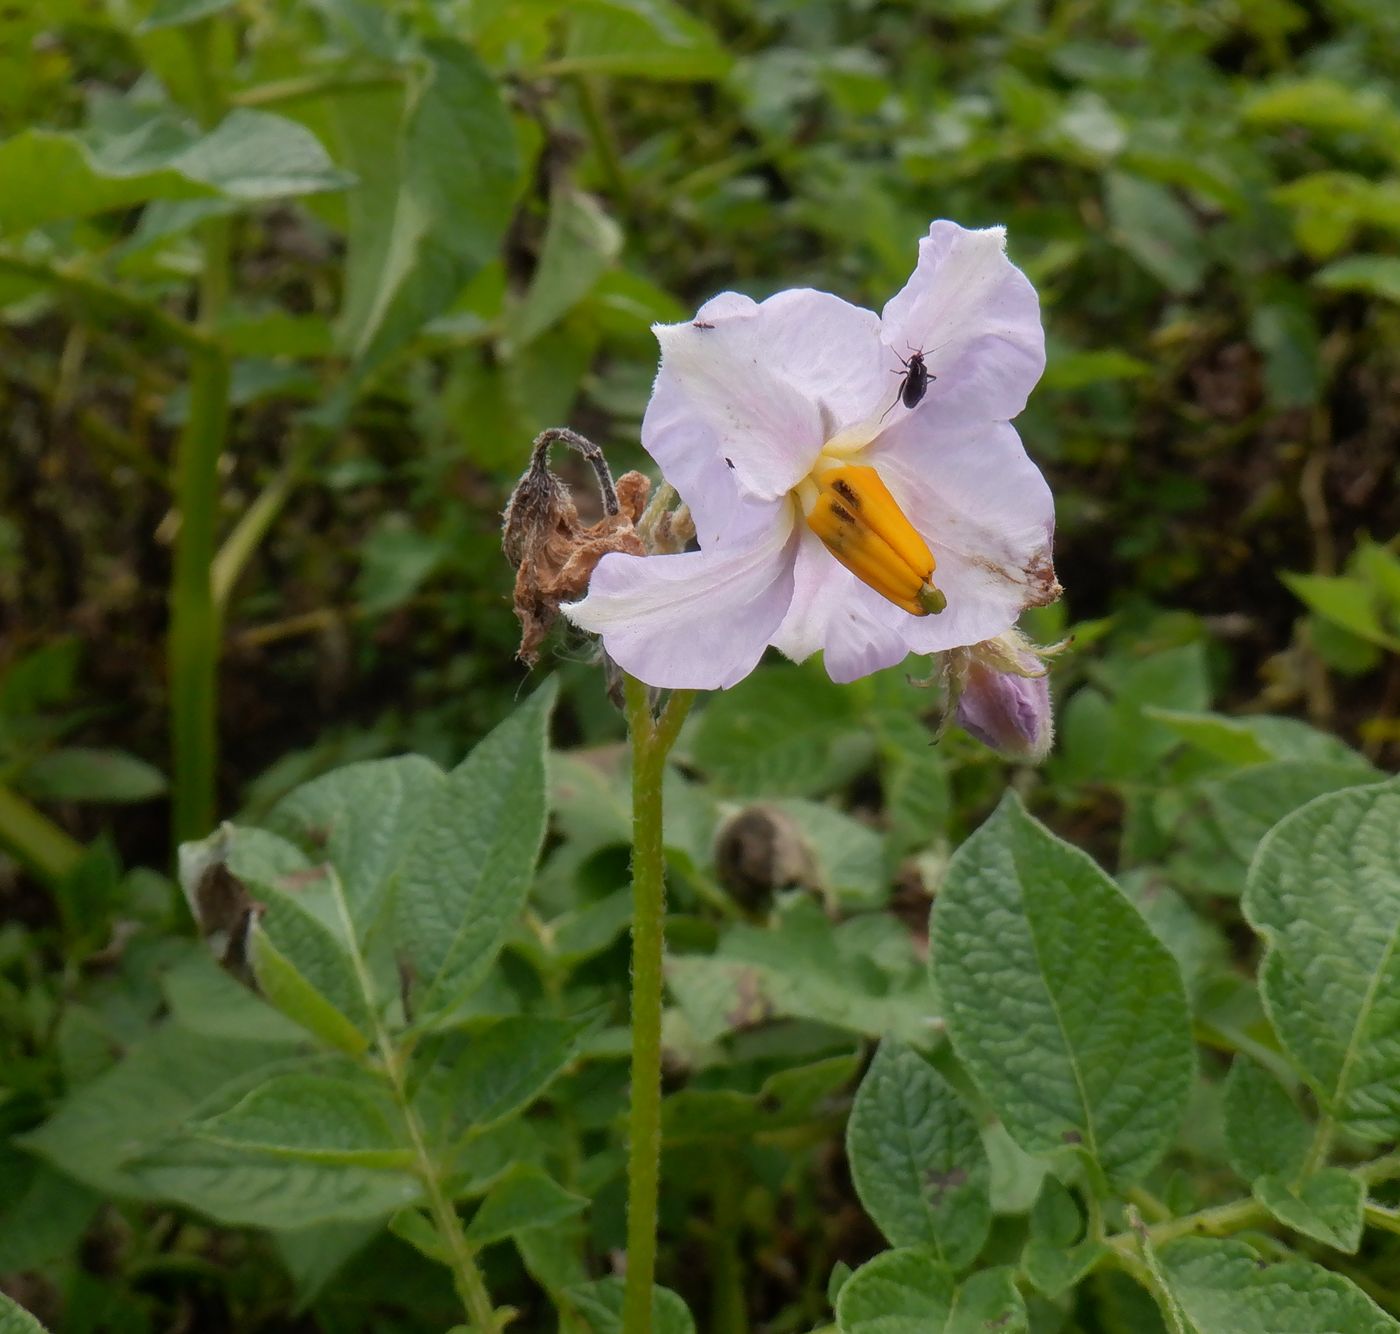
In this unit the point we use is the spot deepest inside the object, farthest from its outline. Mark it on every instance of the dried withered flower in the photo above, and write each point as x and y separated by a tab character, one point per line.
552	550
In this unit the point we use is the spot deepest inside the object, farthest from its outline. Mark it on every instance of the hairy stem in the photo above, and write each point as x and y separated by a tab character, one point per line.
1148	1271
466	1277
651	741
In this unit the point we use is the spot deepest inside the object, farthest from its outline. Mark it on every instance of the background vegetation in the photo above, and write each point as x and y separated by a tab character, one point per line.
288	287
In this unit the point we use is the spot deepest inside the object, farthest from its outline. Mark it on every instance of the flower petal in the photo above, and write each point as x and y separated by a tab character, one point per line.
699	620
976	318
687	449
768	432
857	630
772	381
987	515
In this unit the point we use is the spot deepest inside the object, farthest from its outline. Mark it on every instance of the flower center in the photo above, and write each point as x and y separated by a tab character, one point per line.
850	508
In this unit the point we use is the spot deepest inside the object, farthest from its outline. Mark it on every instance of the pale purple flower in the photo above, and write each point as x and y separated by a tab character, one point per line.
758	405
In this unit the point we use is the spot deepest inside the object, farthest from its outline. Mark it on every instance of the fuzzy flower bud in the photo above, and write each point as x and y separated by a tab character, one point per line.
1001	696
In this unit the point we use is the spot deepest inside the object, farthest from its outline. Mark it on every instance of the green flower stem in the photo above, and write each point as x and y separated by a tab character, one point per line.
34	839
651	742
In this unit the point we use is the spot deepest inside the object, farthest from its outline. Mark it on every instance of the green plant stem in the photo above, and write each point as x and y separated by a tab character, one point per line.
253	525
1383	1217
102	299
466	1277
194	617
727	1269
1219	1221
34	839
1321	1145
651	741
1149	1273
282	91
600	134
195	622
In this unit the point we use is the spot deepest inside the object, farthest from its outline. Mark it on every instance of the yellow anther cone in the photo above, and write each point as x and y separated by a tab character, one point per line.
861	524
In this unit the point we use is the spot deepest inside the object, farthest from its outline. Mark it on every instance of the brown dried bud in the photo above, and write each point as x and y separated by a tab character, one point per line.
761	849
552	550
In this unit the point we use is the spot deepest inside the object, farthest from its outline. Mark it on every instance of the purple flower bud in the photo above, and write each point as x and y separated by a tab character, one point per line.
1007	712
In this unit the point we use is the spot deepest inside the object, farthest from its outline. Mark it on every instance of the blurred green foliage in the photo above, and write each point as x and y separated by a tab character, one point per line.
448	224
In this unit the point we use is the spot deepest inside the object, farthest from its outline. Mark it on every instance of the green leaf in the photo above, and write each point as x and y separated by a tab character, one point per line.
600	1304
1324	893
1376	275
1057	1255
204	998
1346	601
1255	739
1059	1000
464	882
791	1097
914	779
1323	104
301	933
650	39
1282	326
298	942
255	156
133	1107
313	1118
77	773
1117	742
1157	230
243	1189
580	244
917	1159
313	1256
1069	369
14	1319
525	1197
1265	1133
362	817
440	173
783	731
174	13
1224	1288
862	976
1231	814
478	1080
910	1292
288	990
1326	1206
43	1214
47	176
